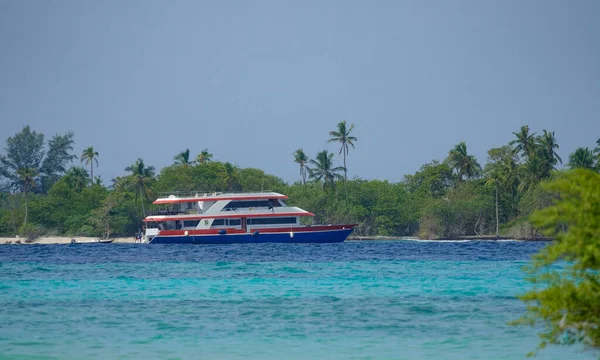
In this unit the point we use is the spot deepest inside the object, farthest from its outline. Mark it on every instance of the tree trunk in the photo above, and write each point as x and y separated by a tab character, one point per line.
497	220
142	200
345	174
25	222
92	173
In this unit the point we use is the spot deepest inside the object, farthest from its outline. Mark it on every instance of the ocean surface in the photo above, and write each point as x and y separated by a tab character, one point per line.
354	300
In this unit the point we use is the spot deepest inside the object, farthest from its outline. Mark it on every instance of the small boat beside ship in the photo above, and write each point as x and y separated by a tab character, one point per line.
227	218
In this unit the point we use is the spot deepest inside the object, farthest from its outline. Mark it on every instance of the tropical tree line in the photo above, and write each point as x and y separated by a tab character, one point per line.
43	189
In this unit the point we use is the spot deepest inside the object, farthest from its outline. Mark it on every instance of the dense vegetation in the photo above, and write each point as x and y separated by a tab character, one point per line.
565	298
44	191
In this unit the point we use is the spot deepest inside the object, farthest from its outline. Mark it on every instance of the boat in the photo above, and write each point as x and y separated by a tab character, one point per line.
228	218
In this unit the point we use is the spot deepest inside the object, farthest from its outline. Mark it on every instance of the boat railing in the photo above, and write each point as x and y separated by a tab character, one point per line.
249	209
188	194
166	212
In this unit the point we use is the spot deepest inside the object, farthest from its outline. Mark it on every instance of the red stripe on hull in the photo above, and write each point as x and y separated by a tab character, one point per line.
260	230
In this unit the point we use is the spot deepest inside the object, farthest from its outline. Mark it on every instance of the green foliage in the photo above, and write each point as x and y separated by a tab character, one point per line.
117	214
524	142
566	295
231	177
322	168
31	232
581	158
536	198
467	209
439	200
251	179
301	159
141	180
204	157
205	176
431	181
462	162
597	154
67	207
25	151
183	159
10	213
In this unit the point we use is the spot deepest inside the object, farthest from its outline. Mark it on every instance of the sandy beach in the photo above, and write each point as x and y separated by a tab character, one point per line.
62	240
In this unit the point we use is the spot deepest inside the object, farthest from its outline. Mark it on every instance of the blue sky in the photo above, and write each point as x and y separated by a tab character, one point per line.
252	81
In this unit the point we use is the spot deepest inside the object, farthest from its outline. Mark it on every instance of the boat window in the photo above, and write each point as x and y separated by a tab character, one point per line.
190	223
272	221
274	203
232	205
190	205
235	222
218	222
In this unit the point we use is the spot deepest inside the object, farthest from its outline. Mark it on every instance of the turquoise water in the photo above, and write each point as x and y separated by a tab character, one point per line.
355	300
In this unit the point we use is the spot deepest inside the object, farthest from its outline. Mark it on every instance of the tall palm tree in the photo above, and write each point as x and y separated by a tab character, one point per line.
230	176
90	156
322	168
204	157
183	159
525	142
141	179
27	178
581	158
546	147
462	162
502	171
342	135
301	159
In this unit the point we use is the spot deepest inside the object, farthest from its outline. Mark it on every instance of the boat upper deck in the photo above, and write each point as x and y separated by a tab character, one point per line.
174	198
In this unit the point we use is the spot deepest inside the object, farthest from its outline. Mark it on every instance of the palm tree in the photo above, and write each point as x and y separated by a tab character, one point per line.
90	156
342	135
27	177
183	159
204	157
119	183
597	152
525	142
301	158
140	179
547	149
230	176
530	173
581	158
502	170
322	168
462	162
